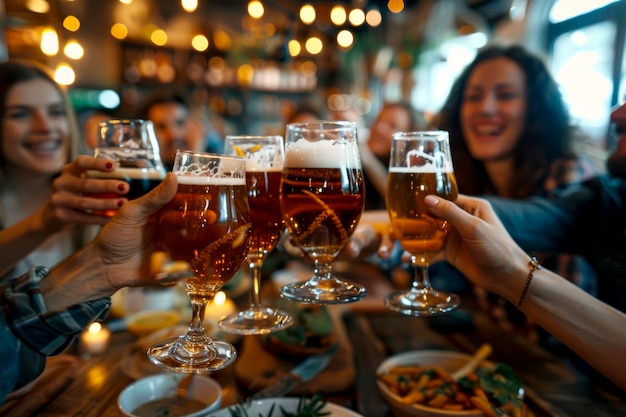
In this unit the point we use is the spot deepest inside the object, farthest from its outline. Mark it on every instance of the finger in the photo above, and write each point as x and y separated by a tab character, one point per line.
447	210
84	163
65	201
90	186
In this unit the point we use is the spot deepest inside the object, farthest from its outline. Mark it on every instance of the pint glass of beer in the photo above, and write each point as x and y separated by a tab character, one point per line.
420	165
322	199
133	145
206	224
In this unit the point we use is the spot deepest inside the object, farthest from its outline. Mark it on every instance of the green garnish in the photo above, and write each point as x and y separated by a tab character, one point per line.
311	407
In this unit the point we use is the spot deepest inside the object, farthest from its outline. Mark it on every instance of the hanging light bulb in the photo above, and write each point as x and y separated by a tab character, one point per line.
256	9
307	14
64	74
189	5
49	42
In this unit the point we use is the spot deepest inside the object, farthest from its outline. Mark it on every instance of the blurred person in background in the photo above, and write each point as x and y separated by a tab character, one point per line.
510	136
304	112
43	213
174	125
588	219
393	117
88	121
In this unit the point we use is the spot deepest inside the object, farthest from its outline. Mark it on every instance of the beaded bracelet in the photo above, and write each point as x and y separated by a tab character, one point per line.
533	265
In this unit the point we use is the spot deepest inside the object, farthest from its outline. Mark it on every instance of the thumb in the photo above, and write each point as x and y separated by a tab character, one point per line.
155	199
449	211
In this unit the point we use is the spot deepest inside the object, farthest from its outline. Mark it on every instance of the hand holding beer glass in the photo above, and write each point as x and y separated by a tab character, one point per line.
322	199
264	157
132	144
420	165
207	224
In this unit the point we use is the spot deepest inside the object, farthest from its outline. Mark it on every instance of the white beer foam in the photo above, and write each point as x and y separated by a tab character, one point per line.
423	169
254	165
205	180
320	154
131	173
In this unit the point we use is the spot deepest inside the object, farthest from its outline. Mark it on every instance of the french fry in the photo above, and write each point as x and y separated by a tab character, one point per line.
483	406
438	400
415	396
408	370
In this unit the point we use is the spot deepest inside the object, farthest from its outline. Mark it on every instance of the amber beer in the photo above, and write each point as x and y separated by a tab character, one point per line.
265	214
140	180
320	209
207	224
419	233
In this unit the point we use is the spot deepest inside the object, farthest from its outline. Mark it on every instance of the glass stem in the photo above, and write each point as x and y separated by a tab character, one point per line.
321	270
421	280
196	327
255	292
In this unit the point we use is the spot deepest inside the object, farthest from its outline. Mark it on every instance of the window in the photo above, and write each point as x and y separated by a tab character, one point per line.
586	43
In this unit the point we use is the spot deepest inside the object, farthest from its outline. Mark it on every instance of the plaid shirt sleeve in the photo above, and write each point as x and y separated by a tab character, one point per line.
47	332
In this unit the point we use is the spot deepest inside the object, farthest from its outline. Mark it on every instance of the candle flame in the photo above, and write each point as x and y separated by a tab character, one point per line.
95	328
220	298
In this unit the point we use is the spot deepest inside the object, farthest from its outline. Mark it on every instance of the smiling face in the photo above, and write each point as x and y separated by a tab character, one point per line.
493	110
391	119
35	128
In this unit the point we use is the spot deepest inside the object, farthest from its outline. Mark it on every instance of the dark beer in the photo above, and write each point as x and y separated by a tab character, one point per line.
207	224
265	214
141	181
321	207
418	232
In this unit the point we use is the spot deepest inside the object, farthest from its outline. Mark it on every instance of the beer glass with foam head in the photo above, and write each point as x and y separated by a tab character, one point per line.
322	199
207	224
133	145
420	165
264	157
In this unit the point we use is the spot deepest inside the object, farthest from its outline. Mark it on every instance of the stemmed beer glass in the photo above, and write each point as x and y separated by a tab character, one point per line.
133	145
207	224
420	165
322	198
264	164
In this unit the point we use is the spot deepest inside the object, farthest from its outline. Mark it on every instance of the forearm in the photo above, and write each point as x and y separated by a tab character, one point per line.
79	278
591	328
21	238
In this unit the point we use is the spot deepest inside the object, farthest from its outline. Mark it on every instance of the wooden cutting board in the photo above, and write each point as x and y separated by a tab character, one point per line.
256	367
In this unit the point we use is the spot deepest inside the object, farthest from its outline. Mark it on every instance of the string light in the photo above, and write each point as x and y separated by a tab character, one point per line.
356	17
307	14
49	42
338	15
64	74
256	9
189	5
73	50
119	31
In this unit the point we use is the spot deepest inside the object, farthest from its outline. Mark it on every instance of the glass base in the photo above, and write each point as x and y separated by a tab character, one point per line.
256	320
323	291
422	302
172	355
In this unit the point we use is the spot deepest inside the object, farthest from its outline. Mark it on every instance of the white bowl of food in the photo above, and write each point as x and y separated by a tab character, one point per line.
156	395
291	405
420	384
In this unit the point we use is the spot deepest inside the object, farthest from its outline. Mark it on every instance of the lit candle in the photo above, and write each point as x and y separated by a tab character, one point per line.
219	307
96	338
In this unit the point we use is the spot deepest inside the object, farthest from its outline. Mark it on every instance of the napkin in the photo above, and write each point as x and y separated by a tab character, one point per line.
58	374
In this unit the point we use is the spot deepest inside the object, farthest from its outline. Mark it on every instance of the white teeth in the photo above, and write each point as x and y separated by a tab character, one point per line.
43	147
488	130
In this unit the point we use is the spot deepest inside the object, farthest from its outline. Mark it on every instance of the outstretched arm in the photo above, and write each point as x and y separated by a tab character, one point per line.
482	249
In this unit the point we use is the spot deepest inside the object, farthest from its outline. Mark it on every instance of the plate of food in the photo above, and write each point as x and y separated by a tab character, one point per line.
286	407
423	383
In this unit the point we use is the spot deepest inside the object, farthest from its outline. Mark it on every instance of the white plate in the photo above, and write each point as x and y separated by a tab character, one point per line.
262	407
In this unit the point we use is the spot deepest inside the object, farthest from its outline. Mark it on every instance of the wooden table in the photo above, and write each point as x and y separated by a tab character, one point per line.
554	387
